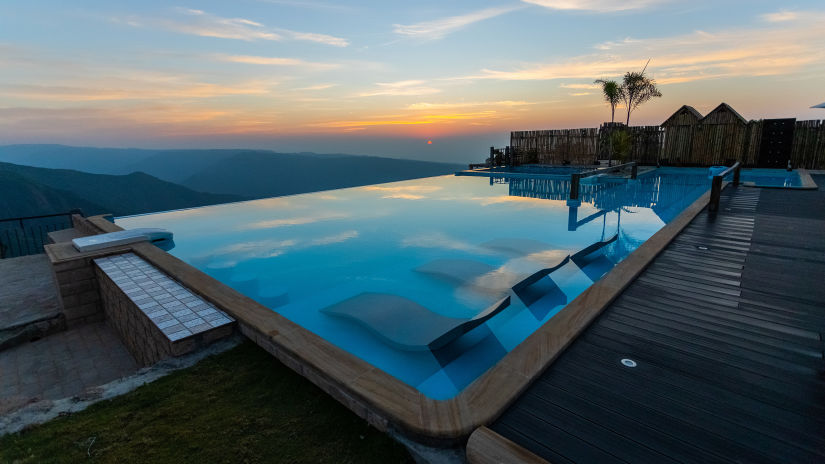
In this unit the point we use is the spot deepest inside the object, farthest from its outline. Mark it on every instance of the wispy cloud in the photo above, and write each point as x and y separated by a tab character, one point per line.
779	49
198	22
109	91
314	37
441	106
580	94
312	5
599	6
275	61
401	88
438	28
201	23
780	16
410	121
579	86
316	87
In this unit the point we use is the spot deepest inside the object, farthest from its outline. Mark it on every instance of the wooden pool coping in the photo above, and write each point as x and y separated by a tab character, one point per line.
383	400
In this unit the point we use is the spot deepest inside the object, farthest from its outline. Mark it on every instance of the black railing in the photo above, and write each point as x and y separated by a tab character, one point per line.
716	186
498	157
26	235
576	177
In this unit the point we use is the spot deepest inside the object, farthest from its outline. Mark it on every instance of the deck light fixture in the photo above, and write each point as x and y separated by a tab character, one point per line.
626	362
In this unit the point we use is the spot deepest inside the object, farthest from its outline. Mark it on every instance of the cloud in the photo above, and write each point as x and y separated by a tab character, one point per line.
201	23
276	61
780	16
316	87
440	106
776	50
401	88
107	90
439	28
419	120
580	94
319	38
312	5
579	86
599	6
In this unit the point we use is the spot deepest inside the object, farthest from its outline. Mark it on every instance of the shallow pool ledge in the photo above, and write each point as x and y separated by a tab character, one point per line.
388	403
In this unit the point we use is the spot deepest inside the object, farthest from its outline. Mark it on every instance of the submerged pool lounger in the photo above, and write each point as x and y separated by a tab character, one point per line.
575	258
407	325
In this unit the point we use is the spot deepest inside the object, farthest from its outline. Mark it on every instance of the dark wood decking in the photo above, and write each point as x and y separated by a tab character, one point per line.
728	341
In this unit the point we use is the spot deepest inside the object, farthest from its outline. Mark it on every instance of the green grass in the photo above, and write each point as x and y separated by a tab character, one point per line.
238	406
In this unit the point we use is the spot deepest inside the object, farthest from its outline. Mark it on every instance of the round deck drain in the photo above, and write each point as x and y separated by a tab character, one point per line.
628	362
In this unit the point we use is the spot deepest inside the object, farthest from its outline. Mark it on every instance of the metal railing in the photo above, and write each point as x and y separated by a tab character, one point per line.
498	157
23	236
716	186
576	177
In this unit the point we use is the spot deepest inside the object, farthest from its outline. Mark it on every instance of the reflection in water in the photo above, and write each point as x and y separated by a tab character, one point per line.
457	249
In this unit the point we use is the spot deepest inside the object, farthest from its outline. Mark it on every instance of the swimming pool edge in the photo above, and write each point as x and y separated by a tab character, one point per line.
388	403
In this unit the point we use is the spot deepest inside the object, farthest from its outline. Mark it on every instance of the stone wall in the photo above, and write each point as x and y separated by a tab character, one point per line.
84	226
77	287
144	340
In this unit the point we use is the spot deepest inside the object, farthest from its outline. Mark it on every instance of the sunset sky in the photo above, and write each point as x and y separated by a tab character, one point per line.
385	77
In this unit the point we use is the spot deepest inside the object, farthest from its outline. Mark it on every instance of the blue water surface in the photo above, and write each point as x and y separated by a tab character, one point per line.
300	254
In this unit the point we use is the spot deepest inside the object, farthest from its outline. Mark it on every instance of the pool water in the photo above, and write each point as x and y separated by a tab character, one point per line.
760	177
453	246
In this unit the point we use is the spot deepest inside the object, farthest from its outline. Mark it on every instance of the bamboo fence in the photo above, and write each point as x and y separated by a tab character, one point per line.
716	139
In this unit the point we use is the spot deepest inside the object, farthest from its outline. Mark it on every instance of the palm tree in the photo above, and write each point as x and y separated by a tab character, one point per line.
612	92
637	88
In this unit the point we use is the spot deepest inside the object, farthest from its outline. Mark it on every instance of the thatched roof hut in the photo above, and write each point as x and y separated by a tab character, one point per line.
680	129
724	114
684	116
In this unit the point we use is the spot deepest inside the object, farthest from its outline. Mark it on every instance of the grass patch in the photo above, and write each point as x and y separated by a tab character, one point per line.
238	406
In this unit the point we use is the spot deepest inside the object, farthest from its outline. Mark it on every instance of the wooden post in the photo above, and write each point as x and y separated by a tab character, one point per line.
634	170
574	186
715	194
736	175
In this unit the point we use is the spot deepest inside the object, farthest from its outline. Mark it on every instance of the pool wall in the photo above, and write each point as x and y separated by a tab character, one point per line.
386	402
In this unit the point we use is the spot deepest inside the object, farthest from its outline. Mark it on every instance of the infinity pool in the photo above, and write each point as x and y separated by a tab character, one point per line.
443	248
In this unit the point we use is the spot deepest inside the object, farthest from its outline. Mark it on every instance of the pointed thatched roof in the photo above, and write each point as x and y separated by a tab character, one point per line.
684	110
724	107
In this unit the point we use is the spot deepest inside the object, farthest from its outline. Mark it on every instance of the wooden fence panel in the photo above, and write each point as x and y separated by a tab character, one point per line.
808	149
707	143
678	144
575	146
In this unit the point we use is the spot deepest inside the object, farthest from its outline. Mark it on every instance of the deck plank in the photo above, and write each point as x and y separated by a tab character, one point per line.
728	341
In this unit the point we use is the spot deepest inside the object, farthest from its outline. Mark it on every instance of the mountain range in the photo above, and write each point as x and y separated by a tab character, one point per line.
30	191
44	179
249	173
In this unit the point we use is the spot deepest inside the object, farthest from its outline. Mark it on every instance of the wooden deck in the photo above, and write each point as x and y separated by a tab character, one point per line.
726	327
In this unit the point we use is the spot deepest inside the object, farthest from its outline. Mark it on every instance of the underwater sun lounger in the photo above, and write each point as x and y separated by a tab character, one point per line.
405	324
578	258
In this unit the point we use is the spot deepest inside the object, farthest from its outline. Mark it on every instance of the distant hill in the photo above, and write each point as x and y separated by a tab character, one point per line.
87	159
250	173
21	197
30	191
259	174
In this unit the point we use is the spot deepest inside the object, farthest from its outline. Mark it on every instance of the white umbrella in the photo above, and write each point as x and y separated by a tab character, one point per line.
821	105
